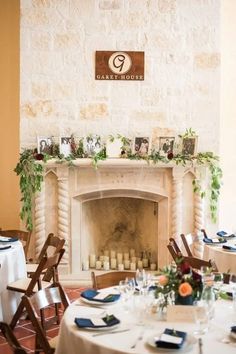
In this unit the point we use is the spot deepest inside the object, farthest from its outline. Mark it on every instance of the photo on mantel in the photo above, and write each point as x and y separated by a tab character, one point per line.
189	146
92	145
141	146
164	133
44	145
65	145
166	145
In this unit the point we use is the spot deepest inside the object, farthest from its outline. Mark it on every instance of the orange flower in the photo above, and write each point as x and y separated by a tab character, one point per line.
163	280
185	289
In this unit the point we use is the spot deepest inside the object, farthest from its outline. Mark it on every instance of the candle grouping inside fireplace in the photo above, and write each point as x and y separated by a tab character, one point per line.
117	260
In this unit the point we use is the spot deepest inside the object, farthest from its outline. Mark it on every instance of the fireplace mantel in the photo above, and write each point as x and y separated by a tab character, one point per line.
66	187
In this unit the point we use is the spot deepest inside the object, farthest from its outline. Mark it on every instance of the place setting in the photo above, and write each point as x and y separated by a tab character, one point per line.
171	340
97	298
102	322
4	242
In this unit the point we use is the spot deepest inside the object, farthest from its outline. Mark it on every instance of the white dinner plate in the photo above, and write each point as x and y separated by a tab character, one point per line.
190	340
106	328
97	303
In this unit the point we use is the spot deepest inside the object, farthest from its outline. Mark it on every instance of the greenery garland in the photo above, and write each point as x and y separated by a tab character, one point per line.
31	172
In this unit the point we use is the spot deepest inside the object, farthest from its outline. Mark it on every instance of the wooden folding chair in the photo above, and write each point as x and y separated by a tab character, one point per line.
109	279
28	285
23	236
11	339
187	242
52	245
194	262
39	302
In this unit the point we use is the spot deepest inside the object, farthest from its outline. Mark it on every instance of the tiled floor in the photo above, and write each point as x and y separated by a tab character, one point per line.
25	333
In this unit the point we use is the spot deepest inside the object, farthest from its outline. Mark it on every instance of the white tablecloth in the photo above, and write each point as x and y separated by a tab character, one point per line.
12	267
73	340
225	260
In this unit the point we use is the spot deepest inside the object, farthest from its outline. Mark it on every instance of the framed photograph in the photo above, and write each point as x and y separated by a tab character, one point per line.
92	145
166	145
141	145
65	145
44	145
189	145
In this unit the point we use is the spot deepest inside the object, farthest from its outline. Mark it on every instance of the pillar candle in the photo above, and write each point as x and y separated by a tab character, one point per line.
132	266
153	266
145	262
106	253
92	260
113	263
85	265
126	256
113	254
133	259
105	258
120	266
140	264
126	263
98	264
106	265
132	253
119	258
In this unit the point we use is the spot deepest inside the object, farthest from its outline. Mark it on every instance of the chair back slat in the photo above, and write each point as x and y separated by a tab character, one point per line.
187	241
35	304
110	279
52	245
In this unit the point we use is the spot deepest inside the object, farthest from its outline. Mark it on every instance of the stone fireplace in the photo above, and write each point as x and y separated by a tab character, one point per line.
120	205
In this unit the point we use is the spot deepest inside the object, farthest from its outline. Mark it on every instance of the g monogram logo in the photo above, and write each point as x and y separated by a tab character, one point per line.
119	63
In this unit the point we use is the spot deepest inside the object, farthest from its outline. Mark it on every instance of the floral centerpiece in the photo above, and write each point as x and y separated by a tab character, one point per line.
178	284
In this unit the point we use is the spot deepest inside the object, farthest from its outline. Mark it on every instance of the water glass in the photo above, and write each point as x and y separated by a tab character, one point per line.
201	316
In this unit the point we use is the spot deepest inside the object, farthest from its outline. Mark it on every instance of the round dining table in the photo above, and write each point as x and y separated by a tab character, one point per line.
12	268
138	327
224	259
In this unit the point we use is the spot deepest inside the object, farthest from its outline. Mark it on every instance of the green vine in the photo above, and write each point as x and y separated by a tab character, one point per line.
31	177
31	171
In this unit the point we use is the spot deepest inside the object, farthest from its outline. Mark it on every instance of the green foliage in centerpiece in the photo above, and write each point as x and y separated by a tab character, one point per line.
180	283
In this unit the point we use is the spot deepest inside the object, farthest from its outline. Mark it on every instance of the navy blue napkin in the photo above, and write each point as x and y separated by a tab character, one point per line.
109	321
4	248
163	344
229	248
224	234
207	240
90	294
233	329
8	239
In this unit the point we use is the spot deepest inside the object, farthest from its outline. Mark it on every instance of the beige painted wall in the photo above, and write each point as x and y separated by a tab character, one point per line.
9	112
228	115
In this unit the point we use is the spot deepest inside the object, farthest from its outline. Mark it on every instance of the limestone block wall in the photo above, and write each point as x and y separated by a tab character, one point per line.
59	94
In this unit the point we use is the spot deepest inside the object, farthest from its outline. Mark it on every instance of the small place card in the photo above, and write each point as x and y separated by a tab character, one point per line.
100	296
169	338
97	321
181	313
215	239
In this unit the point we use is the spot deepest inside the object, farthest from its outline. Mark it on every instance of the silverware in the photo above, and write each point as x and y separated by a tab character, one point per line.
140	337
110	332
200	345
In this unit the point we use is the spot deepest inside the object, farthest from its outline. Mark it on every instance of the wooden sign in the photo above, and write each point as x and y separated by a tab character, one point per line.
119	65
